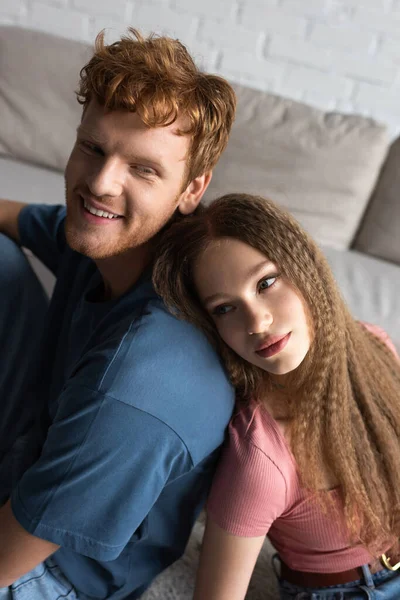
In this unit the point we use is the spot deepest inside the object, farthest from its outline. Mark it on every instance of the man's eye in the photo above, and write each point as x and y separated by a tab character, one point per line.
222	310
143	170
266	283
91	148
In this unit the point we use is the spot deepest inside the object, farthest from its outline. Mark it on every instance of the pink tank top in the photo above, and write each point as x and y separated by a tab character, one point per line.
256	491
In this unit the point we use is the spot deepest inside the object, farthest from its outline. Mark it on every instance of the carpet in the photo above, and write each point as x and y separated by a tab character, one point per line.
177	582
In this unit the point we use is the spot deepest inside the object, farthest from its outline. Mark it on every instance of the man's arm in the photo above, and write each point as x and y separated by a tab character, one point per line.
9	213
20	552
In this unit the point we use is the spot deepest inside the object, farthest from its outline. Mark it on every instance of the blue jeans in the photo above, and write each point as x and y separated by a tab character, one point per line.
384	585
23	307
45	582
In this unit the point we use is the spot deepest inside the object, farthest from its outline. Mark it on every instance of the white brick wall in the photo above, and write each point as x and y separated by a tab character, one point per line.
336	54
59	20
11	8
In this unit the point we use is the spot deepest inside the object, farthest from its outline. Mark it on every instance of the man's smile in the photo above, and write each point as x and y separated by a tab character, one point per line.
96	210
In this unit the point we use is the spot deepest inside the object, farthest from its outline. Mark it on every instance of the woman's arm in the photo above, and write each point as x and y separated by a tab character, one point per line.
226	564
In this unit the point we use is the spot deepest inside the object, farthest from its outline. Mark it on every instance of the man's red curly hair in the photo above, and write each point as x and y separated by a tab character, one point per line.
157	78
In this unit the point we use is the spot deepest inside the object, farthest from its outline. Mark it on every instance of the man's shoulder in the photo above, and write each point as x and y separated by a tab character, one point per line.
144	332
142	321
164	367
157	321
161	354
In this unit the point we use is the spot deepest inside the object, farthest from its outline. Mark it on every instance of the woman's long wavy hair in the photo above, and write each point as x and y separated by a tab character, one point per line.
347	409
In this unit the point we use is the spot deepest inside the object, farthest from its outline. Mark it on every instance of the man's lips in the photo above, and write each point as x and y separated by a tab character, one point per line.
97	205
96	213
272	345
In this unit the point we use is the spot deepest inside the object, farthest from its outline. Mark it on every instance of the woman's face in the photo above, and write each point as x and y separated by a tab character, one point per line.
256	311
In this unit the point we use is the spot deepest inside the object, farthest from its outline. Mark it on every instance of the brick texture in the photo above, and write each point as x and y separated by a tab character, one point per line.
335	54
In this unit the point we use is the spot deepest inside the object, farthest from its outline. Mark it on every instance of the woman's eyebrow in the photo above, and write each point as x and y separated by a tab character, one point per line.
259	267
249	275
213	298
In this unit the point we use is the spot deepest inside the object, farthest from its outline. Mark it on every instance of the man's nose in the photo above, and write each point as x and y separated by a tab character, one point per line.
259	320
106	179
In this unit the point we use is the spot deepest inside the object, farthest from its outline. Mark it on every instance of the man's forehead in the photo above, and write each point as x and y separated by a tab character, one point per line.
95	114
125	131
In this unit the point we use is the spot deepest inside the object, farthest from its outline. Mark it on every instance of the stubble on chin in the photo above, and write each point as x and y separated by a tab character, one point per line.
76	241
98	246
77	233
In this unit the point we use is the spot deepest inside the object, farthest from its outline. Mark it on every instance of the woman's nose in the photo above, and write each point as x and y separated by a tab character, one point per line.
259	320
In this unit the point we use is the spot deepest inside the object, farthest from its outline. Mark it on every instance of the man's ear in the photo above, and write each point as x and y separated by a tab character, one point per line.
191	197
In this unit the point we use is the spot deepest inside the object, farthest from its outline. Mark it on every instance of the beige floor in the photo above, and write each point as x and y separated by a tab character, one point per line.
176	583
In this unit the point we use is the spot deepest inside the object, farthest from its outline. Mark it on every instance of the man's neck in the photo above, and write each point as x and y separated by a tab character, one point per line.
121	272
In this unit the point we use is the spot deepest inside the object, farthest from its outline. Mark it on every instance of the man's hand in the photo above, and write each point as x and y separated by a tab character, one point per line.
9	213
20	552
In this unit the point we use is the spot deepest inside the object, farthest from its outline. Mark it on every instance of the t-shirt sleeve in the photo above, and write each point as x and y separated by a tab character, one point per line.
248	492
41	230
103	466
381	333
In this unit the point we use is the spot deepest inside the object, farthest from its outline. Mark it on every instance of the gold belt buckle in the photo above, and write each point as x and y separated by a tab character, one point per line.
386	563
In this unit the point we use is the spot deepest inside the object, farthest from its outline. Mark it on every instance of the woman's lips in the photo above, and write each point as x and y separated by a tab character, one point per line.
274	348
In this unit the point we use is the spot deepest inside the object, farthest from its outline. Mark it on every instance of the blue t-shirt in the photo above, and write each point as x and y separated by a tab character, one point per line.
135	403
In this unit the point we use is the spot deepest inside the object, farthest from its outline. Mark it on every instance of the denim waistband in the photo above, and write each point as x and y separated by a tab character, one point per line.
382	585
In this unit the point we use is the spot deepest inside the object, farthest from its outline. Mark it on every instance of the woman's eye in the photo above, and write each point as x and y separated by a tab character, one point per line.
266	283
222	310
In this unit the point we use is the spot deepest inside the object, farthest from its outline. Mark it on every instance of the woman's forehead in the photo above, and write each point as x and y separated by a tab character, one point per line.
228	262
231	250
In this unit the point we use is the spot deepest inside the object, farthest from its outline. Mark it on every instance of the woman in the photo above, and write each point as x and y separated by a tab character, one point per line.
312	455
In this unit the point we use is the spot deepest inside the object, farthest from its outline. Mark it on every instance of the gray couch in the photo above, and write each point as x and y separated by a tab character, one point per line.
337	173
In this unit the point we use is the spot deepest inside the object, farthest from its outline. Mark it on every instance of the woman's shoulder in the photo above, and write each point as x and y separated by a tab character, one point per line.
252	425
254	480
381	334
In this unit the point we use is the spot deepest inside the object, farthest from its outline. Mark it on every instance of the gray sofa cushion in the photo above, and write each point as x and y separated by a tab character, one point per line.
39	112
321	166
32	184
370	287
29	183
379	234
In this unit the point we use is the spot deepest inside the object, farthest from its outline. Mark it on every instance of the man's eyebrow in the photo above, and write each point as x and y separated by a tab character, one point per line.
146	160
89	134
157	162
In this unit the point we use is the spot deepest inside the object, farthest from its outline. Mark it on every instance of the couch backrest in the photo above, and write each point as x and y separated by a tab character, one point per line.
321	166
379	233
39	113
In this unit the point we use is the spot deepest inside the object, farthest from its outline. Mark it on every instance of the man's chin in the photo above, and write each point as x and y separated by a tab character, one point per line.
93	248
77	242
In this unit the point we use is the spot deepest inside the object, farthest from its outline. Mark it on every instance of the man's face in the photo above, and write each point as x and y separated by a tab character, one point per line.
123	181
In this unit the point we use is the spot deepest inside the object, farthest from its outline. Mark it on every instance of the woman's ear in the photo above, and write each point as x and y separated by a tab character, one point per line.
190	198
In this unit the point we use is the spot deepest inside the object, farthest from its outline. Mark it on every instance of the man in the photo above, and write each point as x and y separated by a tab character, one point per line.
108	450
